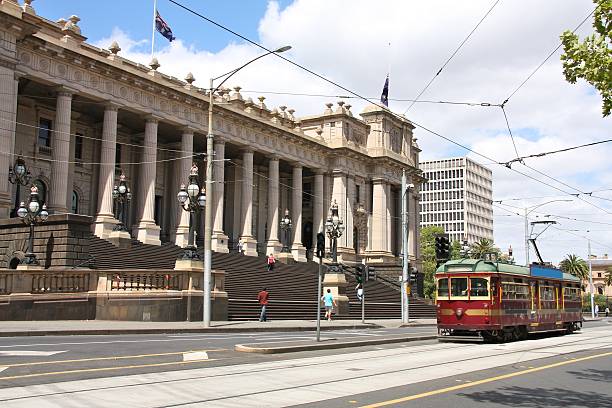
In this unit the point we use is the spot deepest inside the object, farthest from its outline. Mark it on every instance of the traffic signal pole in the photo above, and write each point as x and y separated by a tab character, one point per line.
405	277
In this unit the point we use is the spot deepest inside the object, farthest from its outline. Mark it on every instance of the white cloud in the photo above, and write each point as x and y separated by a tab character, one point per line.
347	42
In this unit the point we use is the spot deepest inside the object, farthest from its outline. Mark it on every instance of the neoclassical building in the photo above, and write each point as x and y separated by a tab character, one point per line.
80	116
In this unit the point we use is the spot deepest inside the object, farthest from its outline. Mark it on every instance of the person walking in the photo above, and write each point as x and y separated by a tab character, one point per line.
271	261
240	246
359	289
330	302
607	311
262	297
596	310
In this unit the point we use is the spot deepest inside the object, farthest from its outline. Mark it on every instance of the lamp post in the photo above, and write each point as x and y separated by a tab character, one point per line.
122	197
334	227
32	215
286	225
528	211
405	262
192	199
209	180
19	175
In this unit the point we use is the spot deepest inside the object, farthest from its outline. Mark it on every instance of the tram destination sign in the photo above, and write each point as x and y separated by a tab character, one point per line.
545	272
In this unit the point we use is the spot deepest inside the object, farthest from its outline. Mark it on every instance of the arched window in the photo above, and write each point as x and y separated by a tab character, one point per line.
42	190
75	202
600	290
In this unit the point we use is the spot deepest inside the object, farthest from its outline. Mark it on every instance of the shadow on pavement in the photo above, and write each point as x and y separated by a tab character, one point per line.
540	397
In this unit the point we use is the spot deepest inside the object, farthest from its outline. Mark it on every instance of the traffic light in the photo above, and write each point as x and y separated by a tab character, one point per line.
442	247
320	245
370	273
359	273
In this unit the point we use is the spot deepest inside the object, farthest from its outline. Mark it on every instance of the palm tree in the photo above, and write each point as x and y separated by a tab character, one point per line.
574	265
608	277
483	246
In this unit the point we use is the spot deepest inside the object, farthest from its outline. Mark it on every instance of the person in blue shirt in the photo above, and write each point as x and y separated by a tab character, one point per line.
330	302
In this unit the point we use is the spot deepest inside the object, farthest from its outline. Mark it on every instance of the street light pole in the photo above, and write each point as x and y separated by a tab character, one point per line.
591	290
405	262
206	306
32	214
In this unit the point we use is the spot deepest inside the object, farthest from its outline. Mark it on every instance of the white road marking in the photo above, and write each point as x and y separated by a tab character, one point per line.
30	353
2	369
195	355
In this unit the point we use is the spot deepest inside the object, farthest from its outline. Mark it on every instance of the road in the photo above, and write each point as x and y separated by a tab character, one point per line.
203	369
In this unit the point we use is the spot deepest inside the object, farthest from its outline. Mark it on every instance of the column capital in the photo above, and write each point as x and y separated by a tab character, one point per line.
152	118
319	172
297	165
186	130
273	157
219	141
65	91
247	150
111	106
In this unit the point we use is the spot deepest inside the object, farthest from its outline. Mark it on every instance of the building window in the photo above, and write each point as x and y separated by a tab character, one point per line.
358	194
45	127
118	156
78	146
75	202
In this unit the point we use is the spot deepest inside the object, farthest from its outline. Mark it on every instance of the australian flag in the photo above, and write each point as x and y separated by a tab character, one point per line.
163	28
384	97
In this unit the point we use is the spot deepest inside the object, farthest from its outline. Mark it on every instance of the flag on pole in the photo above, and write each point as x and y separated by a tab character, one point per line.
163	28
384	97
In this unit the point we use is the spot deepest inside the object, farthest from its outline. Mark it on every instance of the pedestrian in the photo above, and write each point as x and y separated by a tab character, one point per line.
271	261
359	289
262	297
240	246
607	311
330	302
596	310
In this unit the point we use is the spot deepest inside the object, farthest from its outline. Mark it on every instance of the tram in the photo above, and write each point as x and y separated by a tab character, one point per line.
480	300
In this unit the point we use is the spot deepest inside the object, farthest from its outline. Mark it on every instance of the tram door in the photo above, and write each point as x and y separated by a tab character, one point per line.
495	306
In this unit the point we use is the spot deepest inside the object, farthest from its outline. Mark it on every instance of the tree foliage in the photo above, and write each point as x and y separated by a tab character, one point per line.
482	247
428	254
591	59
608	277
576	266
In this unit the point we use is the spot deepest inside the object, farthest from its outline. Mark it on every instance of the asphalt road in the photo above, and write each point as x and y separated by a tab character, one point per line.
204	369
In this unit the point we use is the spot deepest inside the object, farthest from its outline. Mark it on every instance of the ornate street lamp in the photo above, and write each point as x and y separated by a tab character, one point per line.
19	175
122	197
192	199
334	227
32	215
286	225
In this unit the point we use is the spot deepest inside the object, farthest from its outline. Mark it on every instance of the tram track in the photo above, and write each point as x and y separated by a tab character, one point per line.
292	363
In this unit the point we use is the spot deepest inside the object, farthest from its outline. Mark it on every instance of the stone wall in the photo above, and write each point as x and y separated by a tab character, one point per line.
61	242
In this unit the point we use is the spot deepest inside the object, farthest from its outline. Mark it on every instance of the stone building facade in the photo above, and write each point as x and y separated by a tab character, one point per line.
80	116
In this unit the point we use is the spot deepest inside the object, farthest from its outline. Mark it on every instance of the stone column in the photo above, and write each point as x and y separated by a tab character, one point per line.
182	230
380	222
318	209
8	116
273	246
348	221
237	202
146	231
297	249
389	217
340	195
250	243
219	238
105	218
60	142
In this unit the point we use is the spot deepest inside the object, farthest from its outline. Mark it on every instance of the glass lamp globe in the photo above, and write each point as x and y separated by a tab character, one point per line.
115	192
34	207
122	188
182	196
44	214
20	169
22	211
193	190
129	194
202	199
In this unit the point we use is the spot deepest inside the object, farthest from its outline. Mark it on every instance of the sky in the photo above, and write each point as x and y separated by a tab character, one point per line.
356	43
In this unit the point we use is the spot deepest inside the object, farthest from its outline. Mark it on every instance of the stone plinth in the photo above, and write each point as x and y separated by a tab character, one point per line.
285	257
121	239
249	246
219	243
299	253
336	281
30	267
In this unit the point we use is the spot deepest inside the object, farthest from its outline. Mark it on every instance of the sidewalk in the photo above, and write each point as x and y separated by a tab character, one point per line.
113	327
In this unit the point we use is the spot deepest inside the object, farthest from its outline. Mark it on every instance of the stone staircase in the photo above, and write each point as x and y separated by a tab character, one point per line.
293	288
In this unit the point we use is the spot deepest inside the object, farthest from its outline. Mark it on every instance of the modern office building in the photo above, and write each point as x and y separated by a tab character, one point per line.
458	197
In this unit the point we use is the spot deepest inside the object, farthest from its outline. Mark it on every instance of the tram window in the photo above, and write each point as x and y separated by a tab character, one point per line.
479	287
443	287
459	287
522	292
571	294
547	293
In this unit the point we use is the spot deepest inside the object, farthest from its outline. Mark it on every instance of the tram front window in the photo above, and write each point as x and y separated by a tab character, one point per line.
443	288
479	287
459	287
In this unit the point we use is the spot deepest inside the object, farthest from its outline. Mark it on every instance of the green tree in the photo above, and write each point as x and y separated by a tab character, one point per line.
482	247
456	250
591	59
574	265
608	277
428	254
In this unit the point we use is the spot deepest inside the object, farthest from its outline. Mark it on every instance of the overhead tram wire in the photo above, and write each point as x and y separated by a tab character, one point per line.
354	93
451	57
537	155
510	132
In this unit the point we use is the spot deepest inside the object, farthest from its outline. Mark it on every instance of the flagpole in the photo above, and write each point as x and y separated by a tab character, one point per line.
153	31
388	67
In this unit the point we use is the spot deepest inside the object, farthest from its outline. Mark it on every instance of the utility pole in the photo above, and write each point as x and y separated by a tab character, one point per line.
591	283
526	239
405	277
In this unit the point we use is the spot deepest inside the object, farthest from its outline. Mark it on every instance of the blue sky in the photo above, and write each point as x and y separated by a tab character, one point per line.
135	18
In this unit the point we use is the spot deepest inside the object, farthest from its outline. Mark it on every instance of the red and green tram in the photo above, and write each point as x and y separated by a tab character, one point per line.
480	300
